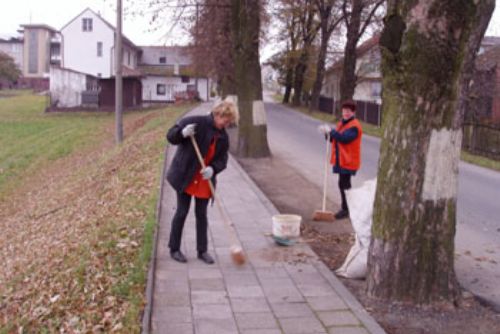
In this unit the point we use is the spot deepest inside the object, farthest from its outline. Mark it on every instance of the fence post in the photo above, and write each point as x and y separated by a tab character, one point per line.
378	115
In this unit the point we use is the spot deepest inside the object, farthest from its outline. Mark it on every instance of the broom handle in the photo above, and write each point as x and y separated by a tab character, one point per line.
325	176
227	224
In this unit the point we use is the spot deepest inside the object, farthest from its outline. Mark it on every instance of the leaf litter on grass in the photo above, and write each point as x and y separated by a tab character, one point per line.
72	234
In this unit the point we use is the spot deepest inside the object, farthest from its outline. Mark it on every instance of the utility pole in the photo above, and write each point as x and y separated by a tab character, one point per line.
118	76
196	48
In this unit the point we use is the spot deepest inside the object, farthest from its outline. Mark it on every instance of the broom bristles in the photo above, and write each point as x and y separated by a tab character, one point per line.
326	216
237	255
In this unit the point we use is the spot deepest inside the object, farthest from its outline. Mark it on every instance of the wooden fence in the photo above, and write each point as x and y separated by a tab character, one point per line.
482	139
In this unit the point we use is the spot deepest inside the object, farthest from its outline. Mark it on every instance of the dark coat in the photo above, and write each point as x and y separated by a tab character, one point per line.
185	163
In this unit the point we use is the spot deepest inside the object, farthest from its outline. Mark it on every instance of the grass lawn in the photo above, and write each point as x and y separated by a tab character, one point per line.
77	215
376	131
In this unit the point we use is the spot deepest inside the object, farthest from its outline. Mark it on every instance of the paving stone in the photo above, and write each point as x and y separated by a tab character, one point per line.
250	291
347	330
173	298
197	273
301	325
288	310
316	290
338	318
276	271
173	314
166	328
212	311
248	305
209	297
258	320
207	284
214	326
326	303
261	331
240	279
281	290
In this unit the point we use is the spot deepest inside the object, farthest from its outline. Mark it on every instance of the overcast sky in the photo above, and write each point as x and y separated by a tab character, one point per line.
57	13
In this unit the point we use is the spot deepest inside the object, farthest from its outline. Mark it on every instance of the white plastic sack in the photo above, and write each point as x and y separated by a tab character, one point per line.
360	202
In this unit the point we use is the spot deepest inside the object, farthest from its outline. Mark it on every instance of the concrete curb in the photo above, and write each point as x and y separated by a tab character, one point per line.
366	319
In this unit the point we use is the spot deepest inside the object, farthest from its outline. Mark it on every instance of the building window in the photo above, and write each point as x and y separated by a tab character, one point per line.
86	24
128	59
376	89
99	49
33	52
161	89
184	79
163	60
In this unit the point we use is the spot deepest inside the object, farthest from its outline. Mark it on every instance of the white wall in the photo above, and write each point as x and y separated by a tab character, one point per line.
174	55
173	84
66	87
80	47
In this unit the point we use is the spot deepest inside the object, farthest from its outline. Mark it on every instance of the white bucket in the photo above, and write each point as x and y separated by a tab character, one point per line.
286	226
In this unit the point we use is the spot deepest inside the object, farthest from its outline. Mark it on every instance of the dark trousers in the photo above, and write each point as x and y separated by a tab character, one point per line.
200	210
344	184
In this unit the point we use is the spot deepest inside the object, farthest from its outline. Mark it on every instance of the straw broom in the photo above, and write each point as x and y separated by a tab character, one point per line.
323	215
237	254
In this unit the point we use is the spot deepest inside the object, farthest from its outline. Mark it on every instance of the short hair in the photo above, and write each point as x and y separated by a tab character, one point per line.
349	104
227	109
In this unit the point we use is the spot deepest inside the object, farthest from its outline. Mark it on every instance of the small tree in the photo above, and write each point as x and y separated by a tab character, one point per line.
8	68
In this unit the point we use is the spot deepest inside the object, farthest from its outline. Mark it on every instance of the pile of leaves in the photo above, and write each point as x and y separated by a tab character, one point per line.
76	235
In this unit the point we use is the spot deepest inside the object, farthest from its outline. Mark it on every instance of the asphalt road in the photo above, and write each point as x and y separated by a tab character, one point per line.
294	137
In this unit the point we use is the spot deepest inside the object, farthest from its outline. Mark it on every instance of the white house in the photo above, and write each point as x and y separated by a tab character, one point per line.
369	78
167	73
88	46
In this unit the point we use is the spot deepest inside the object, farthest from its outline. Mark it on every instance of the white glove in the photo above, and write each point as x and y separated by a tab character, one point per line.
324	129
188	130
207	173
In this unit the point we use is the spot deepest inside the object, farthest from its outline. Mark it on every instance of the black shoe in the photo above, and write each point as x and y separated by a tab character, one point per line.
342	214
205	257
178	256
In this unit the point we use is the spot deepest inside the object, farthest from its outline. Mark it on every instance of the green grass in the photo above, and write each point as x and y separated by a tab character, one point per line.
376	131
30	138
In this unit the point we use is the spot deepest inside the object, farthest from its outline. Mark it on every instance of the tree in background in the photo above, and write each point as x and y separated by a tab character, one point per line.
245	28
8	68
358	15
329	19
428	49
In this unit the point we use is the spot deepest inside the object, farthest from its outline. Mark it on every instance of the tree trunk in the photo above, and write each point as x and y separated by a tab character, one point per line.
252	134
411	256
288	84
348	77
320	69
300	71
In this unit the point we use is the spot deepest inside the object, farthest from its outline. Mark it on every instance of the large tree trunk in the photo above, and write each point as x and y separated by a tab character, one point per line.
288	85
252	134
426	45
348	77
300	71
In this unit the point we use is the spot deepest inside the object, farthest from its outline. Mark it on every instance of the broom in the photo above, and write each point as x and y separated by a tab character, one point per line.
323	215
237	254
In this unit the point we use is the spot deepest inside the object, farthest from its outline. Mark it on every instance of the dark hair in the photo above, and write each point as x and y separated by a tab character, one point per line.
349	104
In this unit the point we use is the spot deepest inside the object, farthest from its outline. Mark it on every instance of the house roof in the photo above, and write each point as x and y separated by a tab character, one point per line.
128	72
360	51
125	39
11	40
38	26
488	59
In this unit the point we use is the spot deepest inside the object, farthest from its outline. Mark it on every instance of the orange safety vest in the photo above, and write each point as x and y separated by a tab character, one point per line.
198	187
350	153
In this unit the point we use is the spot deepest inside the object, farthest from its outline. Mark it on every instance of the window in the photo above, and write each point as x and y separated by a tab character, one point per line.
99	49
128	59
185	79
161	89
33	52
163	60
86	24
376	89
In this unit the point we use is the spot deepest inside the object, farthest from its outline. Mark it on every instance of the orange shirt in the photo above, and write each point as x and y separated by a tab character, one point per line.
198	187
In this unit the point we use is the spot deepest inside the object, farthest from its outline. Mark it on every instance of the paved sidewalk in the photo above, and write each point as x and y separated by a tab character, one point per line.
278	290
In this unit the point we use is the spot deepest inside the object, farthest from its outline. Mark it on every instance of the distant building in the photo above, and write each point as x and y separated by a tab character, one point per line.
14	48
41	49
168	74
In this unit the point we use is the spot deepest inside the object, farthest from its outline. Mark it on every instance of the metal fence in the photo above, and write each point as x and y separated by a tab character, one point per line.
368	112
482	139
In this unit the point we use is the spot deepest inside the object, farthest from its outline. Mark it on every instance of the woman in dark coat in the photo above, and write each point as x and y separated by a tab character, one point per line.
188	178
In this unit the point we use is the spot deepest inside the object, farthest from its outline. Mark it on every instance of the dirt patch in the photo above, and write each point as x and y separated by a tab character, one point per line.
290	192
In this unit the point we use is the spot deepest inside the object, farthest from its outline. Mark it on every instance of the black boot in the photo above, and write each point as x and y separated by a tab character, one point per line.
205	257
342	214
178	256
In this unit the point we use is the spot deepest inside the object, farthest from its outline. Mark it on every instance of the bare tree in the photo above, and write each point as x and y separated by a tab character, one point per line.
358	14
428	49
329	19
